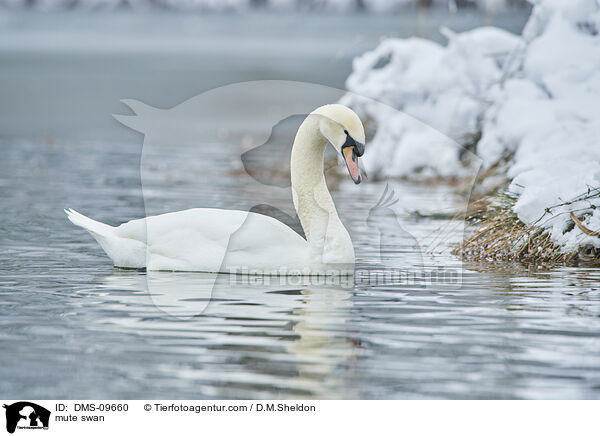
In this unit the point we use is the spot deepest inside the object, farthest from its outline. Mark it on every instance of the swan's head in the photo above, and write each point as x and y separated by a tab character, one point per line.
344	130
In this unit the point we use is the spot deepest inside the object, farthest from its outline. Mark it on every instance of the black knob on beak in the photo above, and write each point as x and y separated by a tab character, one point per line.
359	149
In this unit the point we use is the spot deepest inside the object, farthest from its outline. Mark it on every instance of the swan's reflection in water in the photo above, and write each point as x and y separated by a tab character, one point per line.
246	333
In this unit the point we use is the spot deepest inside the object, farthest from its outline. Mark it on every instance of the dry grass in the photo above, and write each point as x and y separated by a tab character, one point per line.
500	235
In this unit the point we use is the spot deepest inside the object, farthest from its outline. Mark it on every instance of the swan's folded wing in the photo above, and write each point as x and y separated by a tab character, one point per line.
267	246
213	240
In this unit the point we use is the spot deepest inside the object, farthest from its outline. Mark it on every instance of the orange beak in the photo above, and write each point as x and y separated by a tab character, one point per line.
351	159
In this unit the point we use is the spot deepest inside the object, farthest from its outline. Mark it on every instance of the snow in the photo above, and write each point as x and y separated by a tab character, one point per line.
532	98
445	87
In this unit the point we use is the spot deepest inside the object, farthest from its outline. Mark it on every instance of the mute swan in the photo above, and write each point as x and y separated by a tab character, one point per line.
235	241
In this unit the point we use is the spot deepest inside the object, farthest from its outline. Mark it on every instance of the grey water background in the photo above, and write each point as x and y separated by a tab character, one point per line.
72	326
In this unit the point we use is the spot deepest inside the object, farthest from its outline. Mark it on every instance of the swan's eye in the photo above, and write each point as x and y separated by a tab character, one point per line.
346	132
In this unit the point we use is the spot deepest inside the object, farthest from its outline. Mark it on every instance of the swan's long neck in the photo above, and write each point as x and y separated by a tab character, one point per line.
327	237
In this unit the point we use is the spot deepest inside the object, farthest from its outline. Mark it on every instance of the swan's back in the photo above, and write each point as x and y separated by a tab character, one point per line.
220	240
209	240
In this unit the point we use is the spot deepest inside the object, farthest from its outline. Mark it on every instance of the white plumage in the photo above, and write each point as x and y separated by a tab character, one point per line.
235	241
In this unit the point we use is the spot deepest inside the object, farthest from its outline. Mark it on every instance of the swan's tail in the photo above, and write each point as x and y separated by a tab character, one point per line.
96	228
125	252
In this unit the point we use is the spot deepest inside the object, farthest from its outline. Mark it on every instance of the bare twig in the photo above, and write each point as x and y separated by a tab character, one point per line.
583	228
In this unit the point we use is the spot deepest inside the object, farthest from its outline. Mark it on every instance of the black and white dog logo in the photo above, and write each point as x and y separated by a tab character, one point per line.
26	415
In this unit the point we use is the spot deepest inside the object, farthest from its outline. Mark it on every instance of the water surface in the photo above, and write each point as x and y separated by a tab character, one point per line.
73	326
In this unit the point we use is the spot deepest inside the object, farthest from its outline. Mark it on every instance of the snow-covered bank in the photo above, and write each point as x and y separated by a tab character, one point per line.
529	101
445	87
